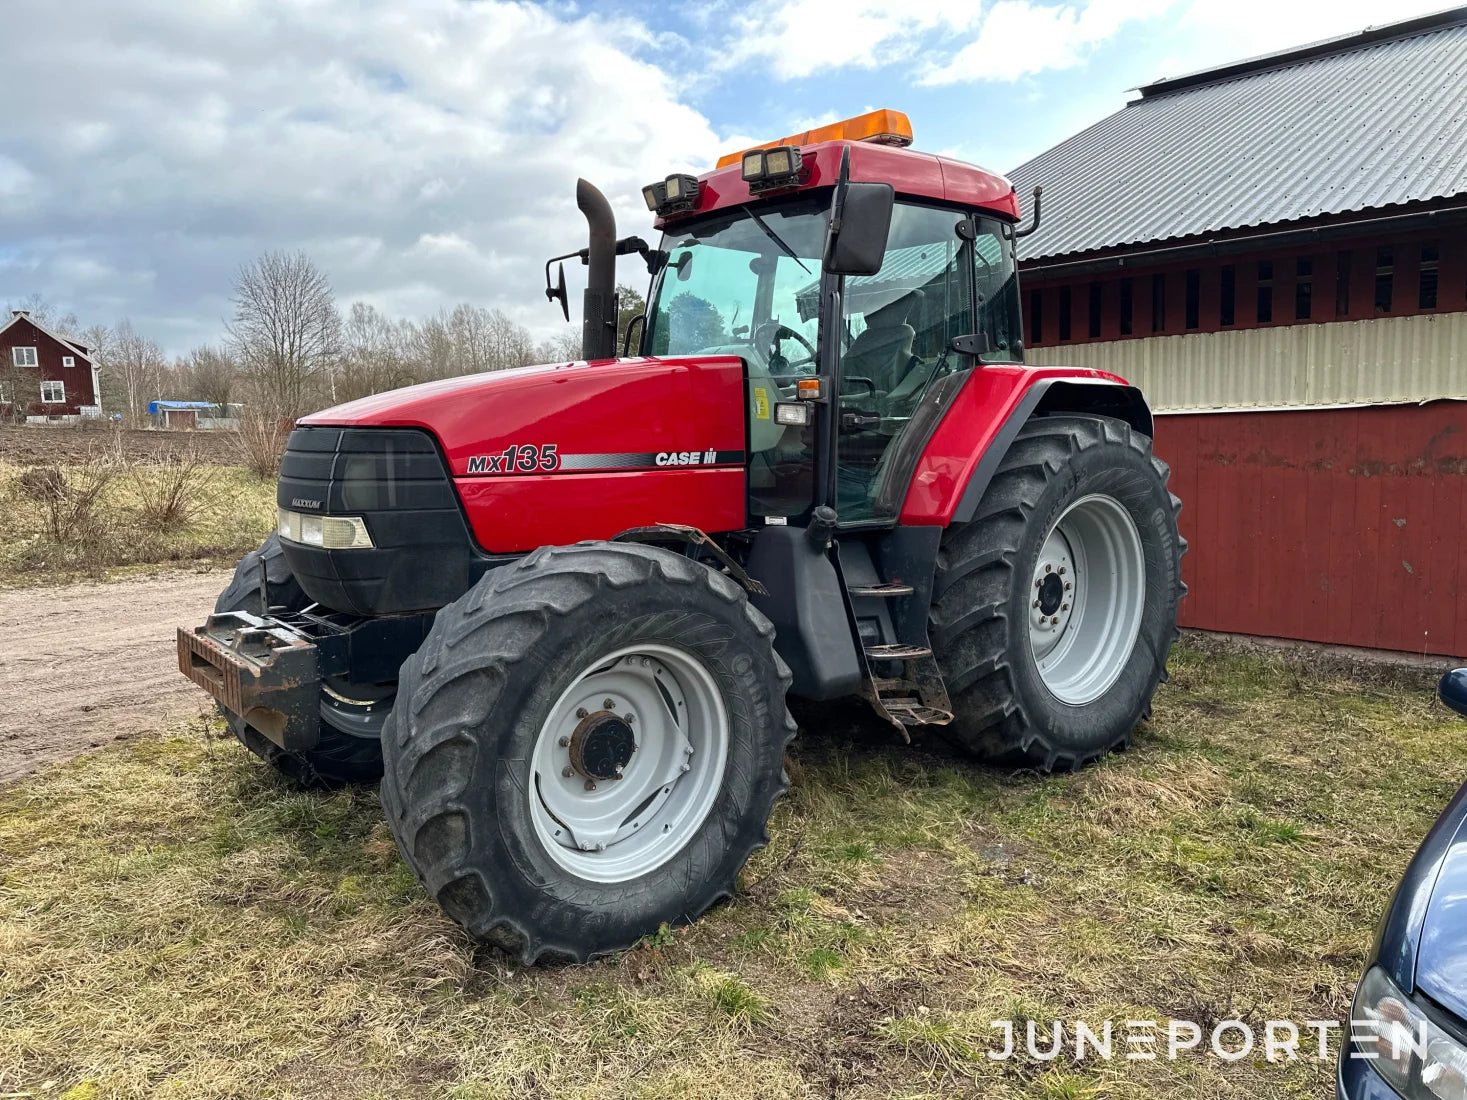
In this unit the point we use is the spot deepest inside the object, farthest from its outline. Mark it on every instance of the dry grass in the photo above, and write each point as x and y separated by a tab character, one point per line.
176	921
107	512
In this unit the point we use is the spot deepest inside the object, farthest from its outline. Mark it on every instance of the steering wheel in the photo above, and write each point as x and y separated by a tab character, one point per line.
770	334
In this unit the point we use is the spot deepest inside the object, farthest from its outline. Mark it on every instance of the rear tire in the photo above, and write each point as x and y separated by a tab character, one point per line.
339	758
1059	686
488	778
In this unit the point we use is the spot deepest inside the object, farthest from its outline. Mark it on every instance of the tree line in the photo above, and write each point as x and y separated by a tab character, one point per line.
288	348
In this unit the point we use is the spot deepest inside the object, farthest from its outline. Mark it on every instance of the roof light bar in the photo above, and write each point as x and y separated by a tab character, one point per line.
884	127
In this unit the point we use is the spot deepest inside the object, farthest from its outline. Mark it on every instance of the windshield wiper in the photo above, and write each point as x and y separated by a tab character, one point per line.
773	236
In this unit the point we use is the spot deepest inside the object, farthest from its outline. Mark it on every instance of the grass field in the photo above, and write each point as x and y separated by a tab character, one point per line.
175	921
229	512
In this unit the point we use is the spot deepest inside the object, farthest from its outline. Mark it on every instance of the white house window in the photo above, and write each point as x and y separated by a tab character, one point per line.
68	360
52	392
23	357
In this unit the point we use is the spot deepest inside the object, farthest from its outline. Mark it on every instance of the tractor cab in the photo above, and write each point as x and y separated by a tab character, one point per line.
857	317
751	281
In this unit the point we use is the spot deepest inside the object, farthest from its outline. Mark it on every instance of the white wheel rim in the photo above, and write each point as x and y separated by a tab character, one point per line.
616	829
1086	599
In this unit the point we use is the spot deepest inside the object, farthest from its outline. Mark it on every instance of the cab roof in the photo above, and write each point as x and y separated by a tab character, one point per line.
911	173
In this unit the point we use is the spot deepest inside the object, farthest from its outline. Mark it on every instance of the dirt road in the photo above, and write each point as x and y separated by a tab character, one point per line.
88	664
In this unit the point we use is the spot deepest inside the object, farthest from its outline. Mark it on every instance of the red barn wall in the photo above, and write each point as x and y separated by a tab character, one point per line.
1343	526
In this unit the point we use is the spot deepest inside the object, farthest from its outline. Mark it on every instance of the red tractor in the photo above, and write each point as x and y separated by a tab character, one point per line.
558	609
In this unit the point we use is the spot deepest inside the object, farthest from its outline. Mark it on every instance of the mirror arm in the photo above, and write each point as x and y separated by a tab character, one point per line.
1035	223
626	339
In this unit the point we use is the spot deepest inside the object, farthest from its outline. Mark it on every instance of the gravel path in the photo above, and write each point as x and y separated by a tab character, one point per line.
87	664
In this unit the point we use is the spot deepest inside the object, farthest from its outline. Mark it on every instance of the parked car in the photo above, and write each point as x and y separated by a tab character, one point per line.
1410	1009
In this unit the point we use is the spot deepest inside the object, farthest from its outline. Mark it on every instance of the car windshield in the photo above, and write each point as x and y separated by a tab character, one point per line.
733	284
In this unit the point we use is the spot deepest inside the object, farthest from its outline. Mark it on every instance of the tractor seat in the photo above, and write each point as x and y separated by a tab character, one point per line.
882	352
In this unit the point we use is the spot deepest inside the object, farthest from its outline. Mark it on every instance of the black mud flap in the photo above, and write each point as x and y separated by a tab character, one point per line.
260	669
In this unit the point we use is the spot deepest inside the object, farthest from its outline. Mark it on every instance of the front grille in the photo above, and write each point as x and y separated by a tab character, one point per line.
397	480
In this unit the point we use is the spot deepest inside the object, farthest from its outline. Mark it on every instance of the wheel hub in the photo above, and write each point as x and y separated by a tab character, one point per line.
1053	589
1085	599
602	745
628	762
1051	593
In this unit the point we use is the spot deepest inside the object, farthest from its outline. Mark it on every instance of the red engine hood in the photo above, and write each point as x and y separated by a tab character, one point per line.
607	407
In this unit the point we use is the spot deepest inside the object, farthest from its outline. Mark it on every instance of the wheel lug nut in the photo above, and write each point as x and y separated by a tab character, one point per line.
1048	568
629	718
567	771
607	704
1064	607
581	712
564	742
1067	586
1038	584
1055	620
1036	603
590	784
1062	571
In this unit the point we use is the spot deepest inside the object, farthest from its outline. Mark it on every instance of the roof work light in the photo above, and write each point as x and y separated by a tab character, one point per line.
674	195
766	169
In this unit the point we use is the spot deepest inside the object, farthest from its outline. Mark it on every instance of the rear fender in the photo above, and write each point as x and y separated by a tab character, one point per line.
964	452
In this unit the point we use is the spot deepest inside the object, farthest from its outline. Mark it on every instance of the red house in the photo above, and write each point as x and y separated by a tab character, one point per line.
50	377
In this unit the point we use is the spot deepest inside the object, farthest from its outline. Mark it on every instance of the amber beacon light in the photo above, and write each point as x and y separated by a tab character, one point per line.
882	127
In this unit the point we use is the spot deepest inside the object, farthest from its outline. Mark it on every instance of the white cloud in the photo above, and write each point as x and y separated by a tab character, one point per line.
1018	38
801	37
424	151
1214	32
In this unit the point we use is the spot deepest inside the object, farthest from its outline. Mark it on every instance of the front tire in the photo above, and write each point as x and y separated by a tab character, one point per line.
1055	607
349	752
550	793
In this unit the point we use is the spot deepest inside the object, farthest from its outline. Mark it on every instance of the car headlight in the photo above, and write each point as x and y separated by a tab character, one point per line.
1416	1058
328	532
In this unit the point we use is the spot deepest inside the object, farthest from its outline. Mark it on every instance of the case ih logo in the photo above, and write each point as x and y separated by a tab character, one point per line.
687	458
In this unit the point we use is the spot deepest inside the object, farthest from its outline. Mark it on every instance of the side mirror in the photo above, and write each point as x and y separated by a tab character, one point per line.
860	222
556	293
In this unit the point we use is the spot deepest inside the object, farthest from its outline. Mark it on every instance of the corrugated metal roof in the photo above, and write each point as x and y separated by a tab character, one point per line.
1376	123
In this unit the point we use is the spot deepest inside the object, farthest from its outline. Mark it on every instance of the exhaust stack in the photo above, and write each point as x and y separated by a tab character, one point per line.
598	324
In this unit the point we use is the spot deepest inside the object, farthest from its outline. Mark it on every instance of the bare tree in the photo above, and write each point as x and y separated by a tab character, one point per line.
433	347
563	348
286	330
48	315
134	369
19	389
374	354
206	374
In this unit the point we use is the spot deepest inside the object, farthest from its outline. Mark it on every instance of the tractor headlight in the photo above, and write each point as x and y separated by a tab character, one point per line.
1417	1059
327	532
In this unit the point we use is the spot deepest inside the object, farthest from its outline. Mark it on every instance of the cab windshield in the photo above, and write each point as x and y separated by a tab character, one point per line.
733	285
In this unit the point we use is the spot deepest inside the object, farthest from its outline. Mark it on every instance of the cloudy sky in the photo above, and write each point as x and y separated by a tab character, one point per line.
424	152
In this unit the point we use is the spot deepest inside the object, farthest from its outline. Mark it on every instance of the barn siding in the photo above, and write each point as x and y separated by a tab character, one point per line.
1331	525
1340	363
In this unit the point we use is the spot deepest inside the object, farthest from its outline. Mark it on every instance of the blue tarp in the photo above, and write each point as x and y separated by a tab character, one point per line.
154	407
